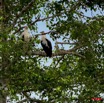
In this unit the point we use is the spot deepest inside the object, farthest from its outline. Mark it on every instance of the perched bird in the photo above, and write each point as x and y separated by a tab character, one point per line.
25	35
46	44
26	38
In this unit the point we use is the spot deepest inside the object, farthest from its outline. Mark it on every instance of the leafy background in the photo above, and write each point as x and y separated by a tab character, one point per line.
76	70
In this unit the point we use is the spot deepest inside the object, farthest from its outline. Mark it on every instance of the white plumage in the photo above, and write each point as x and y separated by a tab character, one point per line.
25	35
44	41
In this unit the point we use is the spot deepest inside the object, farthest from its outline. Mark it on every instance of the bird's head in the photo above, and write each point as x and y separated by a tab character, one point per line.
42	33
26	27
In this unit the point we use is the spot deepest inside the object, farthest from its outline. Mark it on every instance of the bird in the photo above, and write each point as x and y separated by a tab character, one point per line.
25	38
46	44
25	35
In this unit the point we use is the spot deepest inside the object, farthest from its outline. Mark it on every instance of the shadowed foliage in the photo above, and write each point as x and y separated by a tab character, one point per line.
76	70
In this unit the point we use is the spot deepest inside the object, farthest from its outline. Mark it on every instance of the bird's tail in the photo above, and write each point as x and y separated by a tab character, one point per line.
49	55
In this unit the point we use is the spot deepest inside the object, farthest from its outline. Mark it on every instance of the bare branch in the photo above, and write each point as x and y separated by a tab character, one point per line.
36	34
26	95
59	53
46	33
65	43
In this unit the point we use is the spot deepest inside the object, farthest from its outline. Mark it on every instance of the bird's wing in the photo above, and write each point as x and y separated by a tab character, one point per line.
22	37
43	45
47	49
22	34
49	43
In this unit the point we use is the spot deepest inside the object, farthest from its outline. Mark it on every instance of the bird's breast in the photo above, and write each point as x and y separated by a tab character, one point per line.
27	37
45	42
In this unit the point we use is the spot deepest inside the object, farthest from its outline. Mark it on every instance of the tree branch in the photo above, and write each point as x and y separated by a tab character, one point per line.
40	19
22	11
65	43
58	60
33	99
22	101
59	53
45	33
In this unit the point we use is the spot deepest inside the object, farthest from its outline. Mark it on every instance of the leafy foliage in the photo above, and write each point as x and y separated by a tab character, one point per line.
73	74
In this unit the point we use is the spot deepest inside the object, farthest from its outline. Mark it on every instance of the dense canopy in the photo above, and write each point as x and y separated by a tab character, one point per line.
75	72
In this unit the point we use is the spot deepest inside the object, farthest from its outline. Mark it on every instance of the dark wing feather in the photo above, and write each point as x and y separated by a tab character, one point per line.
49	44
22	37
48	50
